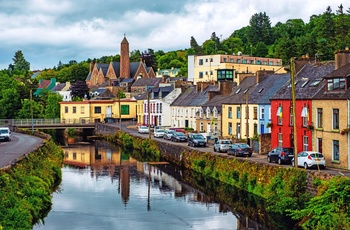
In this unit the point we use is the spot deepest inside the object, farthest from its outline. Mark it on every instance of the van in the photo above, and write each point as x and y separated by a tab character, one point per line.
5	134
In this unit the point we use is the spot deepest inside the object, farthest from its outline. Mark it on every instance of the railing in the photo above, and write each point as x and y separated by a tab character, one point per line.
45	122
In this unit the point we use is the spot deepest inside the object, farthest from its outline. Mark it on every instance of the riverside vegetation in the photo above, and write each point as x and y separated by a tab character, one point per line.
284	190
26	188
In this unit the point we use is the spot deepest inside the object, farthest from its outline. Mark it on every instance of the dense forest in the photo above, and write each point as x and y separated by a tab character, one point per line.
320	37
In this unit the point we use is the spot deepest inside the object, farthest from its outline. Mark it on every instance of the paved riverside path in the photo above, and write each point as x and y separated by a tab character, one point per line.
20	145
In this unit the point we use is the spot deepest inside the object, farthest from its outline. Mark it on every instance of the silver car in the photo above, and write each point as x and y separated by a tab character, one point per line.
308	159
222	145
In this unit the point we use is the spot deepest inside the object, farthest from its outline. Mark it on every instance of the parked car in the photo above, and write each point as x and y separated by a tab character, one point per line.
222	145
5	134
281	155
158	132
178	137
196	140
168	134
308	159
240	149
143	129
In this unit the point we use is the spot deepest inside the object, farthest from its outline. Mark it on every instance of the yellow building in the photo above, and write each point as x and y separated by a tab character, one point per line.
220	67
328	135
97	110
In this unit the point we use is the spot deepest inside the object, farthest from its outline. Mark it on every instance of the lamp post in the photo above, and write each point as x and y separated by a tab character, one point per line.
31	110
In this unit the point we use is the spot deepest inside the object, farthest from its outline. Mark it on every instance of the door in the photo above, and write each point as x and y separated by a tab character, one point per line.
109	111
319	145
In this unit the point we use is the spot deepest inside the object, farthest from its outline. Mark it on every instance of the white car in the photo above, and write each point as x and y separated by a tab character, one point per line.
158	132
308	159
143	129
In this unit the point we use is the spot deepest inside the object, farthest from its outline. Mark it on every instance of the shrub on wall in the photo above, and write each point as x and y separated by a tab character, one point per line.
25	189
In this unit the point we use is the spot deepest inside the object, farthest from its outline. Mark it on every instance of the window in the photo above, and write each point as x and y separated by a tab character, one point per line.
305	143
255	128
208	113
229	112
66	109
82	109
200	61
160	108
291	116
280	139
336	84
201	129
97	109
262	113
225	74
200	74
255	113
215	112
319	118
238	113
74	109
200	113
230	128
335	150
125	109
335	122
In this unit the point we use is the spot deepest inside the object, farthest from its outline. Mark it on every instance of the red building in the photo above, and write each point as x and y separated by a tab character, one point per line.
307	84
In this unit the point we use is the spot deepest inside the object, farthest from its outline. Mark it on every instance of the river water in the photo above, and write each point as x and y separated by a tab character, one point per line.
104	188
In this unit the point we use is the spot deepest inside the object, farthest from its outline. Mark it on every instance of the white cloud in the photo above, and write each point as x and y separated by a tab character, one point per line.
51	31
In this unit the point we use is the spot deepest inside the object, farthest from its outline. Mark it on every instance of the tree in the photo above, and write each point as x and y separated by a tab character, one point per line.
194	45
79	89
9	103
52	109
27	107
19	62
260	29
149	59
260	50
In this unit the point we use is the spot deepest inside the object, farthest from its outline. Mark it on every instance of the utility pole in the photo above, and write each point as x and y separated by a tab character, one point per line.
246	116
120	112
295	137
149	114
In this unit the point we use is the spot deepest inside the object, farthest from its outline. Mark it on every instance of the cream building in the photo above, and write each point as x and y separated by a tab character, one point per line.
220	67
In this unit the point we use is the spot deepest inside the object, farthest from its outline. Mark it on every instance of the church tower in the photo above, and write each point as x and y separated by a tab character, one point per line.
124	59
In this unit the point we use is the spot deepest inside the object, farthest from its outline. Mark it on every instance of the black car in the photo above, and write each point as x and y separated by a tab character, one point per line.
178	137
240	149
196	140
281	155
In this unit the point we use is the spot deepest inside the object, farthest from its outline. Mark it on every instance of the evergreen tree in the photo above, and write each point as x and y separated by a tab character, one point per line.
194	45
260	29
19	62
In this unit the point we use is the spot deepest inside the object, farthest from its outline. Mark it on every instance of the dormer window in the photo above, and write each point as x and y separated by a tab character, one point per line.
208	112
336	84
215	112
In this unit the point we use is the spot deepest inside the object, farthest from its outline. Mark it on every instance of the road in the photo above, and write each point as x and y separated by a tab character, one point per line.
20	145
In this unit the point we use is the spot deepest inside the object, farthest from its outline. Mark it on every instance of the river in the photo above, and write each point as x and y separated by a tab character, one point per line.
103	188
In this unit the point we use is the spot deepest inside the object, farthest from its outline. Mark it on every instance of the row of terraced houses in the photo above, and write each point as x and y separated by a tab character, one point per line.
231	96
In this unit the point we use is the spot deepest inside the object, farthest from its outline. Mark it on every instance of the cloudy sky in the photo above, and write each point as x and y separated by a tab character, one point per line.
49	31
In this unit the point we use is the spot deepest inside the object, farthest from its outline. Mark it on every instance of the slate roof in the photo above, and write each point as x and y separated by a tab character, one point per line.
305	81
267	87
127	80
147	82
165	91
59	87
134	66
341	72
190	97
104	68
238	95
88	78
116	68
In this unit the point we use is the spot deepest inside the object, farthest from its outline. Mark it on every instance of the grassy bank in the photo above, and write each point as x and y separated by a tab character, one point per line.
26	188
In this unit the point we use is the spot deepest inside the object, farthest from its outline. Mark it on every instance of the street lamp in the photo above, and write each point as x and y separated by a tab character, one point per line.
31	110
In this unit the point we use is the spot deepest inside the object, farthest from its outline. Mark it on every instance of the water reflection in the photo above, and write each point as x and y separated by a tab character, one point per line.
150	196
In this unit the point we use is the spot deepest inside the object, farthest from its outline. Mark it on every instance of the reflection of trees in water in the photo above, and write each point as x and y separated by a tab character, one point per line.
250	210
241	203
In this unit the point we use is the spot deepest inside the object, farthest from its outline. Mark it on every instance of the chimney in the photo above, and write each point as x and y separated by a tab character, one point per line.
341	57
225	87
260	74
